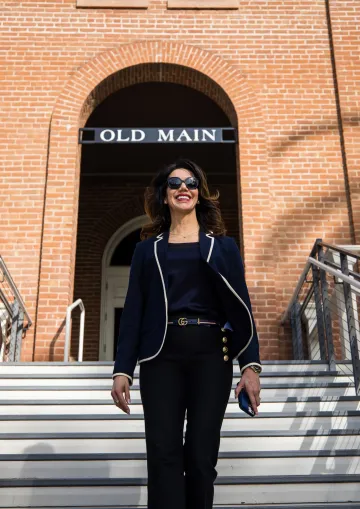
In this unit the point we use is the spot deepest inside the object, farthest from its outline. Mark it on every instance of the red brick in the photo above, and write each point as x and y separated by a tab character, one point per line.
271	74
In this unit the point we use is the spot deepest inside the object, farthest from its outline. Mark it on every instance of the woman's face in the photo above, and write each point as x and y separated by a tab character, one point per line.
182	199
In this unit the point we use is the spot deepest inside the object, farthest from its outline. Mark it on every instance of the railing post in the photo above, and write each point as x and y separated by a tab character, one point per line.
19	335
14	330
81	334
319	312
69	309
327	312
295	320
351	324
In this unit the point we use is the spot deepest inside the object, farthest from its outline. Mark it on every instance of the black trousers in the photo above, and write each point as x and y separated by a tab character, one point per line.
189	376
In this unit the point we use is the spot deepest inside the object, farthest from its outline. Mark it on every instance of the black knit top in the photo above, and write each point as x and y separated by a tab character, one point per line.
191	289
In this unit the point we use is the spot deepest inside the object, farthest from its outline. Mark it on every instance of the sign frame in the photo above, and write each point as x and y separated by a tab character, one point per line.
157	135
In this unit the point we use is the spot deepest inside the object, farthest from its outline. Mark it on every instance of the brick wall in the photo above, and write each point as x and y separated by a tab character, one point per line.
271	58
345	19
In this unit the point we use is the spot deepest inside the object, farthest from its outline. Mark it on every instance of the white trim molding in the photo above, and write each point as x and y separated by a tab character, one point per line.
106	343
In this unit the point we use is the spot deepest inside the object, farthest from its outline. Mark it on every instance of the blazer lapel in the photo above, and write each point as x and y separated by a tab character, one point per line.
160	251
207	243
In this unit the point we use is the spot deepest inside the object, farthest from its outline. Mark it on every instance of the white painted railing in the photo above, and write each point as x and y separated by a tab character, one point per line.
69	310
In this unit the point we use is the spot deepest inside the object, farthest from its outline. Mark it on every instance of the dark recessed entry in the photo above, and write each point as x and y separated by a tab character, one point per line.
125	249
156	104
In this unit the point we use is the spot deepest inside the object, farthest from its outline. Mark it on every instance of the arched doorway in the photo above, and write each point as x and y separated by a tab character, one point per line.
114	282
114	176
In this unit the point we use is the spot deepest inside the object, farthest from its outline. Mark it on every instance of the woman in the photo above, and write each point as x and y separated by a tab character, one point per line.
187	314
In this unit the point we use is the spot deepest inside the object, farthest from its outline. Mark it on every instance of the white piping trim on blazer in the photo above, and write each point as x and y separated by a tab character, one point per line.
240	299
247	309
212	245
250	364
165	297
166	302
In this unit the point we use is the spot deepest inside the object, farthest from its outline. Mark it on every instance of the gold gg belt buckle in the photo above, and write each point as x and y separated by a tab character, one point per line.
182	321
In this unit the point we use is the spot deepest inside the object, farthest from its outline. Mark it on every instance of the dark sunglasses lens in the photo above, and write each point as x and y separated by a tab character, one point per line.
191	183
174	182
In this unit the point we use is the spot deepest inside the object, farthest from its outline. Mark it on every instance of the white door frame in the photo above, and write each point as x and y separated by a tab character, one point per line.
106	345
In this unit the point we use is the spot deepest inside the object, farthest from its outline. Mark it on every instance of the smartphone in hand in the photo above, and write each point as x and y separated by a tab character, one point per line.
244	403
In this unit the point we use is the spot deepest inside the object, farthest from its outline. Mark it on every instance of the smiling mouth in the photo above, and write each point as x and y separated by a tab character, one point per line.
183	198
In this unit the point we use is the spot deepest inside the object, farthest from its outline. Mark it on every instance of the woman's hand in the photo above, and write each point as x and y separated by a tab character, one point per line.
120	393
251	382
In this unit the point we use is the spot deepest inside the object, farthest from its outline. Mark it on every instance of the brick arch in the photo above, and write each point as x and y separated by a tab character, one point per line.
158	72
80	95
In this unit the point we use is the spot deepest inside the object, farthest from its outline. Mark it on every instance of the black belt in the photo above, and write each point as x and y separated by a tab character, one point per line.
191	321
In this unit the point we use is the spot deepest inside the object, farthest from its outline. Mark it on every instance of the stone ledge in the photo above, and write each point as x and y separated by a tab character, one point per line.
113	4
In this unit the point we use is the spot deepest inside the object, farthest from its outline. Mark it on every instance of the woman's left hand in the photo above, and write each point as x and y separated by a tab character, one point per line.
251	382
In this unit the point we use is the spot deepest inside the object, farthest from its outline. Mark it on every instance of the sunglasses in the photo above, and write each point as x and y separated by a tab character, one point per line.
175	182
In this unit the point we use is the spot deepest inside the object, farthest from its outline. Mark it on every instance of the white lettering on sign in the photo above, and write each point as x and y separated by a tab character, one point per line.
185	135
157	135
133	135
209	135
104	137
166	137
119	136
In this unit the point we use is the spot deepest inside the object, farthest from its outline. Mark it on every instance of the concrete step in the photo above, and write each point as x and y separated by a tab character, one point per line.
40	457
132	442
106	368
122	493
63	440
124	423
124	468
106	406
347	505
73	380
268	391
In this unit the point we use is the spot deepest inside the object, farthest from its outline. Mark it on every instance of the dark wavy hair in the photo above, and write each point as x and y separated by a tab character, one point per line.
207	211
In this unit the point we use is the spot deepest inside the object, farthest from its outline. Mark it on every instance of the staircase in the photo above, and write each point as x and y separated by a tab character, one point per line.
64	443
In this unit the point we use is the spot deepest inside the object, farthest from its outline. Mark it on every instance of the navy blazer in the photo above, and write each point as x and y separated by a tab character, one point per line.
143	323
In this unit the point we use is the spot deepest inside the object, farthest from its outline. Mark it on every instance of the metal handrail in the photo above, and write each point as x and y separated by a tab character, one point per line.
69	310
338	249
336	273
296	292
334	311
6	303
327	268
15	291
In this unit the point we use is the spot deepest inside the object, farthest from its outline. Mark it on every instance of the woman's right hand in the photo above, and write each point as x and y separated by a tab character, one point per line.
120	393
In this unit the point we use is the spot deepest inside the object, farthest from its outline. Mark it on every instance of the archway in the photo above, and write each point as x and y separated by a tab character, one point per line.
113	175
87	87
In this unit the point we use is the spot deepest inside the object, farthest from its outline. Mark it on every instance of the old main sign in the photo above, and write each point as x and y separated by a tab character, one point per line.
156	135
